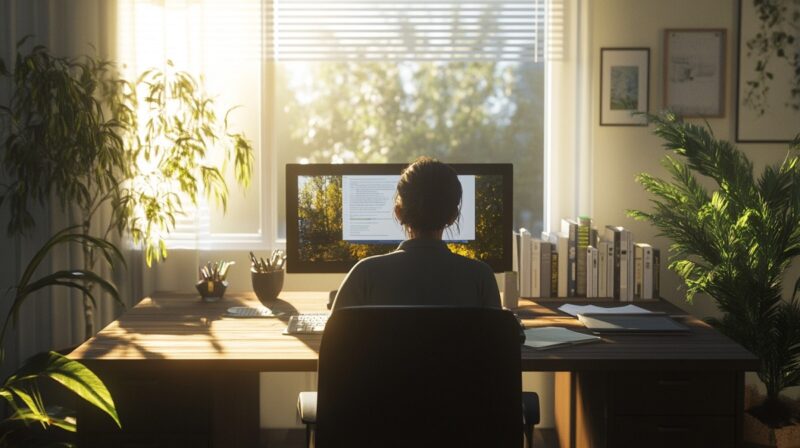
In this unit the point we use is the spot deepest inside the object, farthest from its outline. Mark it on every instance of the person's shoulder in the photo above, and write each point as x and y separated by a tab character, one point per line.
475	266
374	261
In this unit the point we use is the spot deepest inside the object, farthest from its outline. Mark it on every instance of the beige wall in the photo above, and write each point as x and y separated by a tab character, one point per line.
620	153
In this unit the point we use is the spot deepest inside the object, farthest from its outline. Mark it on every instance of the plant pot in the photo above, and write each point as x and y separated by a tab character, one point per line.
267	285
211	291
757	433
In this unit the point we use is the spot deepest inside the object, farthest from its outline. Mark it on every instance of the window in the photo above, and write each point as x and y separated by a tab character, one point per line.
395	111
356	81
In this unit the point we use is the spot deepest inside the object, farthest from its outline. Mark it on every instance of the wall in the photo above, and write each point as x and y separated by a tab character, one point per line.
620	153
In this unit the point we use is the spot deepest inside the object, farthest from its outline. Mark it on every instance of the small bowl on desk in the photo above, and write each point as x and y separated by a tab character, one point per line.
211	290
267	285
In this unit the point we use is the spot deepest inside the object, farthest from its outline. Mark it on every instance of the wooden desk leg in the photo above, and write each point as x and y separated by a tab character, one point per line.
564	409
235	409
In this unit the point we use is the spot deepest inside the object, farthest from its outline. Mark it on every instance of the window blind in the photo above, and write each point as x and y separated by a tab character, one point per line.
407	30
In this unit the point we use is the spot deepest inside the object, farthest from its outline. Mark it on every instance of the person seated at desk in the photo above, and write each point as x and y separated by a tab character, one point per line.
422	271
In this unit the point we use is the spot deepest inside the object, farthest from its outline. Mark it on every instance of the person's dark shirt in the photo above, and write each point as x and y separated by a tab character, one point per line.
420	272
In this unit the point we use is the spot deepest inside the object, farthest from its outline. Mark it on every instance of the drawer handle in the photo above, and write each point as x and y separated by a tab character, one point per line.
672	429
683	382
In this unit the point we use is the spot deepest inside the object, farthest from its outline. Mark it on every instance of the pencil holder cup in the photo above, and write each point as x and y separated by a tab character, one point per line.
211	290
267	285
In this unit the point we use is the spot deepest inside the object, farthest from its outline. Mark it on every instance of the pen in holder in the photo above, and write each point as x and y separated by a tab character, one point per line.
212	284
267	276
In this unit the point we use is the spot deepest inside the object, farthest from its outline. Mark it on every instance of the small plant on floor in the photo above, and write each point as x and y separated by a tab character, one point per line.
735	244
21	393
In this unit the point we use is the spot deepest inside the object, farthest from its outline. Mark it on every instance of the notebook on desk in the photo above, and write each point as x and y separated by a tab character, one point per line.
631	323
543	338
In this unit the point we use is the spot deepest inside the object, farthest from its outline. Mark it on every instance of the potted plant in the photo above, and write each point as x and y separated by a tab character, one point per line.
735	244
136	150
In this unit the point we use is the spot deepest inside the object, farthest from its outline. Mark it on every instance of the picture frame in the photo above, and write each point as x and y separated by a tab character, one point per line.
694	72
624	86
778	123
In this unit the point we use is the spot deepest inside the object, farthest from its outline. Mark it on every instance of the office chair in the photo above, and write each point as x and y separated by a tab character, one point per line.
400	376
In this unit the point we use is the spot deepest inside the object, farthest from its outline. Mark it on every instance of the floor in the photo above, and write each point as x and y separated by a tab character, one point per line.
296	438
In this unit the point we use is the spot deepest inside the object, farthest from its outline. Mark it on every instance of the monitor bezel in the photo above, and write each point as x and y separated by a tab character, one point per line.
294	170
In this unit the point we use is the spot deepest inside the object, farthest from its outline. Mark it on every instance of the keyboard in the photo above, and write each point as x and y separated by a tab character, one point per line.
309	323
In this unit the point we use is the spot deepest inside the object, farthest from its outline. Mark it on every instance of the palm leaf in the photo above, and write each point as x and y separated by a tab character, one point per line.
109	251
70	374
734	244
70	279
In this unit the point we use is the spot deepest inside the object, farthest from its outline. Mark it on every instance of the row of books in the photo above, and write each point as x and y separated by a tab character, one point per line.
579	261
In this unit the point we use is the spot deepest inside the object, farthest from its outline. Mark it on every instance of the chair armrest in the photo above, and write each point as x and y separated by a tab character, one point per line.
307	407
530	408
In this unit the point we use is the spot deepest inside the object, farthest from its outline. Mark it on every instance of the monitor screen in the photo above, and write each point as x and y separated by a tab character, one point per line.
338	214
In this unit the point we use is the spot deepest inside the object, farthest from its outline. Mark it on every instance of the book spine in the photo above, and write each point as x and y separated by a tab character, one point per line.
629	236
610	270
656	273
525	263
570	228
563	265
536	268
554	274
614	235
624	281
560	244
584	237
515	255
602	269
546	265
595	274
638	271
647	276
591	272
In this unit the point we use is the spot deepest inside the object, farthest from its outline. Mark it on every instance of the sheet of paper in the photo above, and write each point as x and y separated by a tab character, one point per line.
574	310
549	337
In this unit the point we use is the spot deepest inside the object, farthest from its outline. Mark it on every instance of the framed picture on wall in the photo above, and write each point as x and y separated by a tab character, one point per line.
624	86
768	85
694	72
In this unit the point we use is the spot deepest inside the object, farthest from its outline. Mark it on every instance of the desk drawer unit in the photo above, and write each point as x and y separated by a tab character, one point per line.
672	431
653	409
673	393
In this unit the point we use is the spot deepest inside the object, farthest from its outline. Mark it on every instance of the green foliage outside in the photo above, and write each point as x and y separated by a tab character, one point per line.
735	244
393	112
319	213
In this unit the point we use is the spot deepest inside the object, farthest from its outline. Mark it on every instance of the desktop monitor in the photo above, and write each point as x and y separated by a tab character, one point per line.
337	214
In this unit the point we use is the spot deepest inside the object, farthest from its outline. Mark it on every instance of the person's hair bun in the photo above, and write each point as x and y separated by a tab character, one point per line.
428	196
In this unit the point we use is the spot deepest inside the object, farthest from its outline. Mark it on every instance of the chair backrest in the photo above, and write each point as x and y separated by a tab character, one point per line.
399	376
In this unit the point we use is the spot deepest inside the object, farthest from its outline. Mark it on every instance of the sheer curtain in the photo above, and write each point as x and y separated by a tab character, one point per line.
54	318
568	152
568	106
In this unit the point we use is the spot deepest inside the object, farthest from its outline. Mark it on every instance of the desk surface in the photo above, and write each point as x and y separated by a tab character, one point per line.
180	331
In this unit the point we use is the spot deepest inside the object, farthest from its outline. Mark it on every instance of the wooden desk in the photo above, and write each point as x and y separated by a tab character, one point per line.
682	390
183	375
